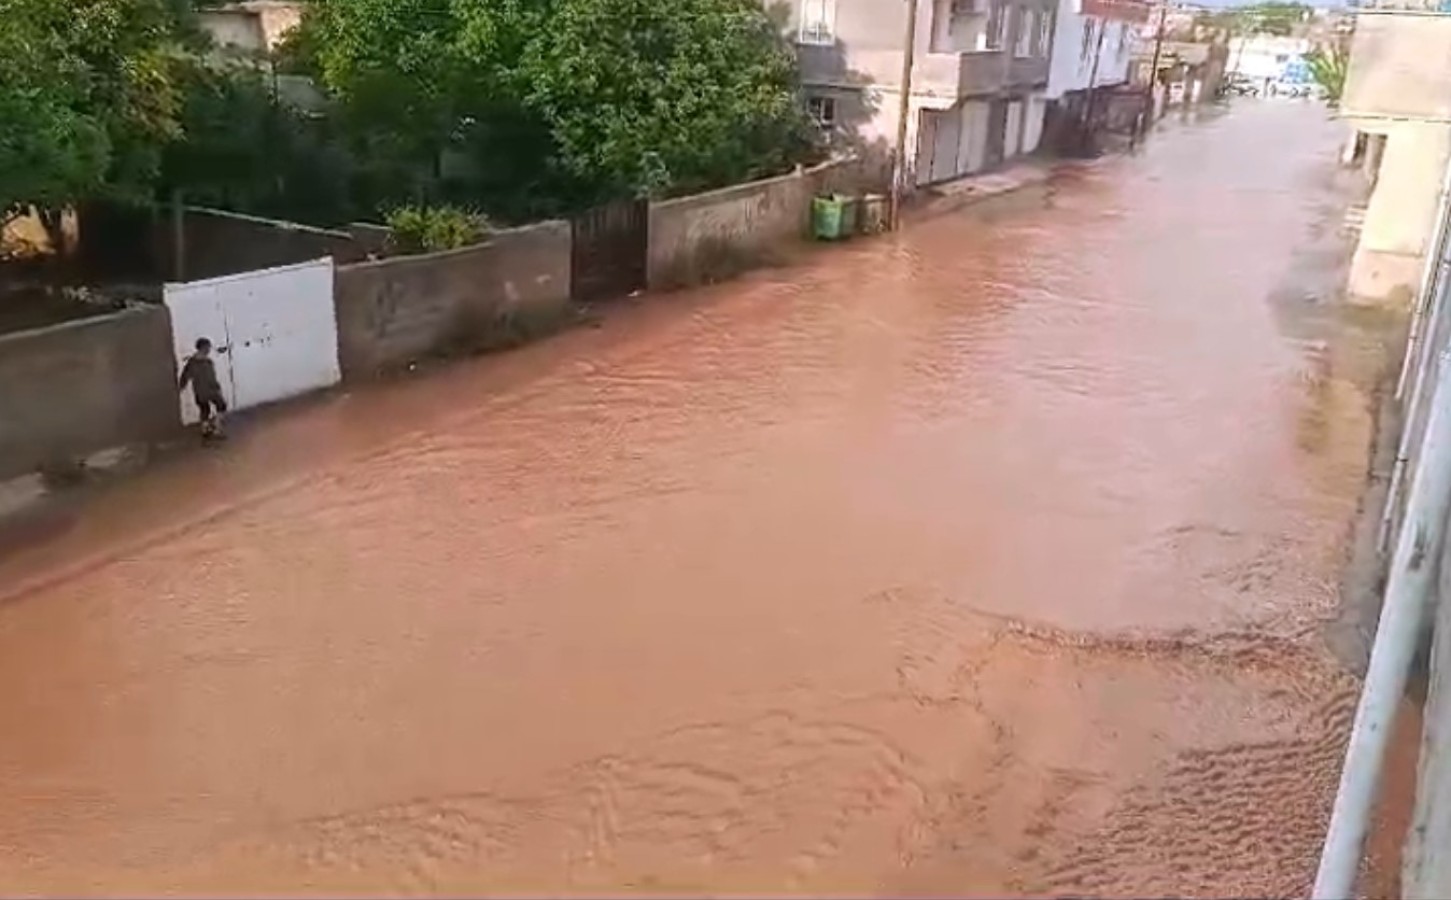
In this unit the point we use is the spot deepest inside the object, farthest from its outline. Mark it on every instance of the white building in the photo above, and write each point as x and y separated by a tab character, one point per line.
1093	51
1264	58
1089	31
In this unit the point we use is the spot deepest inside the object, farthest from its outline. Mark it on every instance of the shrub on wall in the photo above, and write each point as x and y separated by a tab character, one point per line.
427	229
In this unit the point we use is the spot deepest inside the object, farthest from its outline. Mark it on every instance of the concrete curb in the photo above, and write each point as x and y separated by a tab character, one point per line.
974	189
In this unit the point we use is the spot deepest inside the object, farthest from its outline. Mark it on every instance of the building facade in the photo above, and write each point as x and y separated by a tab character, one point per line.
1265	60
979	82
250	26
1092	56
1398	98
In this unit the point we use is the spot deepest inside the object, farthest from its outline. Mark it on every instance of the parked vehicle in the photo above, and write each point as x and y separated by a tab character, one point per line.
1240	86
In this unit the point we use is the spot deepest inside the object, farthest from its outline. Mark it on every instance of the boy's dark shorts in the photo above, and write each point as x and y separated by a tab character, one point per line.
209	407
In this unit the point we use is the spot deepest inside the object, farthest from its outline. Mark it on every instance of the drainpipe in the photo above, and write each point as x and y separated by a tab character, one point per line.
1092	85
1428	276
1412	579
1425	322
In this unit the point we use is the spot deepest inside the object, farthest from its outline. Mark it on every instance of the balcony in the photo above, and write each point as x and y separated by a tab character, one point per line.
1028	72
981	72
974	74
950	76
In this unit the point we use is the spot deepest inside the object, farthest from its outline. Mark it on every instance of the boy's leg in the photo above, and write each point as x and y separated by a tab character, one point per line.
208	417
219	414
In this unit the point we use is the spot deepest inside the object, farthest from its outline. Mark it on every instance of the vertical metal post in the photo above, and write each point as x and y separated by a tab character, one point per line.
1434	251
1425	323
1154	66
178	238
1412	577
904	111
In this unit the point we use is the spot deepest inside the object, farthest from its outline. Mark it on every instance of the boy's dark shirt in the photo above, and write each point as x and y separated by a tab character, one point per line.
201	372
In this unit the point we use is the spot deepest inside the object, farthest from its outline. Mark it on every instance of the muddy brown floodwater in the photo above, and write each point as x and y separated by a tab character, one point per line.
991	557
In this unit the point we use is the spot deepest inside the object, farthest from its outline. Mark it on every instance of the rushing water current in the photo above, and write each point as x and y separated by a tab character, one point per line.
992	556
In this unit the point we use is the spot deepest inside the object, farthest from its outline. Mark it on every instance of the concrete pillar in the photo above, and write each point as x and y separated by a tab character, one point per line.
1408	161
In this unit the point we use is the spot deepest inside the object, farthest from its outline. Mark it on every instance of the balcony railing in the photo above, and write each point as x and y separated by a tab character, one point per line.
981	72
1030	71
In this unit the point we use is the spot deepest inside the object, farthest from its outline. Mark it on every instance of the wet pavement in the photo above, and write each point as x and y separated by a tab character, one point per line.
994	556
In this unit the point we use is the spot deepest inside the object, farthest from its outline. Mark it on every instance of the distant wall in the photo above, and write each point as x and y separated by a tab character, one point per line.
371	239
222	243
706	236
396	311
138	244
83	386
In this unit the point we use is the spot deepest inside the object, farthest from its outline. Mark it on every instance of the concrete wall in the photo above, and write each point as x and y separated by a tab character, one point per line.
694	239
397	311
222	243
715	234
1402	209
1400	65
71	389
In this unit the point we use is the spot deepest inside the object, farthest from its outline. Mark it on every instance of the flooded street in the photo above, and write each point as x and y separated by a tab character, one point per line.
991	557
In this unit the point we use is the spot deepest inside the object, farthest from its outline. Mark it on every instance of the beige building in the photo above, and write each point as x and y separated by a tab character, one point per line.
1398	94
250	26
978	87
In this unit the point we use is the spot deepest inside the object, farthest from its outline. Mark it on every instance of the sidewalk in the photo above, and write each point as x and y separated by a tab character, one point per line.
948	196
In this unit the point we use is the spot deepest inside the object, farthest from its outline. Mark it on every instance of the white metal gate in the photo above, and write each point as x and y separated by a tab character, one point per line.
274	330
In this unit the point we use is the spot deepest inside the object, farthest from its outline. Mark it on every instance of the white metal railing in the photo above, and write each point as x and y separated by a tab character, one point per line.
1414	523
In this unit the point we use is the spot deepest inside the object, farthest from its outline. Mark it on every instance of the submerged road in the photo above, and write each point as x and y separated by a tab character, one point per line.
994	556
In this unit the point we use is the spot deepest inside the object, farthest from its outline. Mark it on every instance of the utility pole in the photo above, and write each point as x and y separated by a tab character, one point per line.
1154	65
904	111
1158	48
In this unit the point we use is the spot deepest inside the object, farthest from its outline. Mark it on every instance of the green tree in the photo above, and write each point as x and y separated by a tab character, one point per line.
1328	65
88	99
246	150
530	107
646	97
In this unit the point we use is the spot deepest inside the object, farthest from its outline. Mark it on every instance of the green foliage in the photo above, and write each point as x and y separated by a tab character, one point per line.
645	98
535	107
426	229
88	98
1272	18
523	108
246	151
1328	66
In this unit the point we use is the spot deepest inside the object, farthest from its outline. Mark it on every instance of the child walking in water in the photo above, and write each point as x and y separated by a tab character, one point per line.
201	373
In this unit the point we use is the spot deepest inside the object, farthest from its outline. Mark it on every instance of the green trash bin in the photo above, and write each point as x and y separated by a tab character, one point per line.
850	213
827	214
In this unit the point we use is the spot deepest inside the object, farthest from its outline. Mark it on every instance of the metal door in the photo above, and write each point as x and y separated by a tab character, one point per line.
198	314
997	128
610	248
283	332
275	328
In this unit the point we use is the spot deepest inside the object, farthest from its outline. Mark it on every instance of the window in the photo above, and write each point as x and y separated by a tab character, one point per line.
818	22
823	110
1090	35
1042	33
1027	27
997	25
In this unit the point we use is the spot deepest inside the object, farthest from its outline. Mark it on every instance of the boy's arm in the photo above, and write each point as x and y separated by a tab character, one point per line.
186	374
